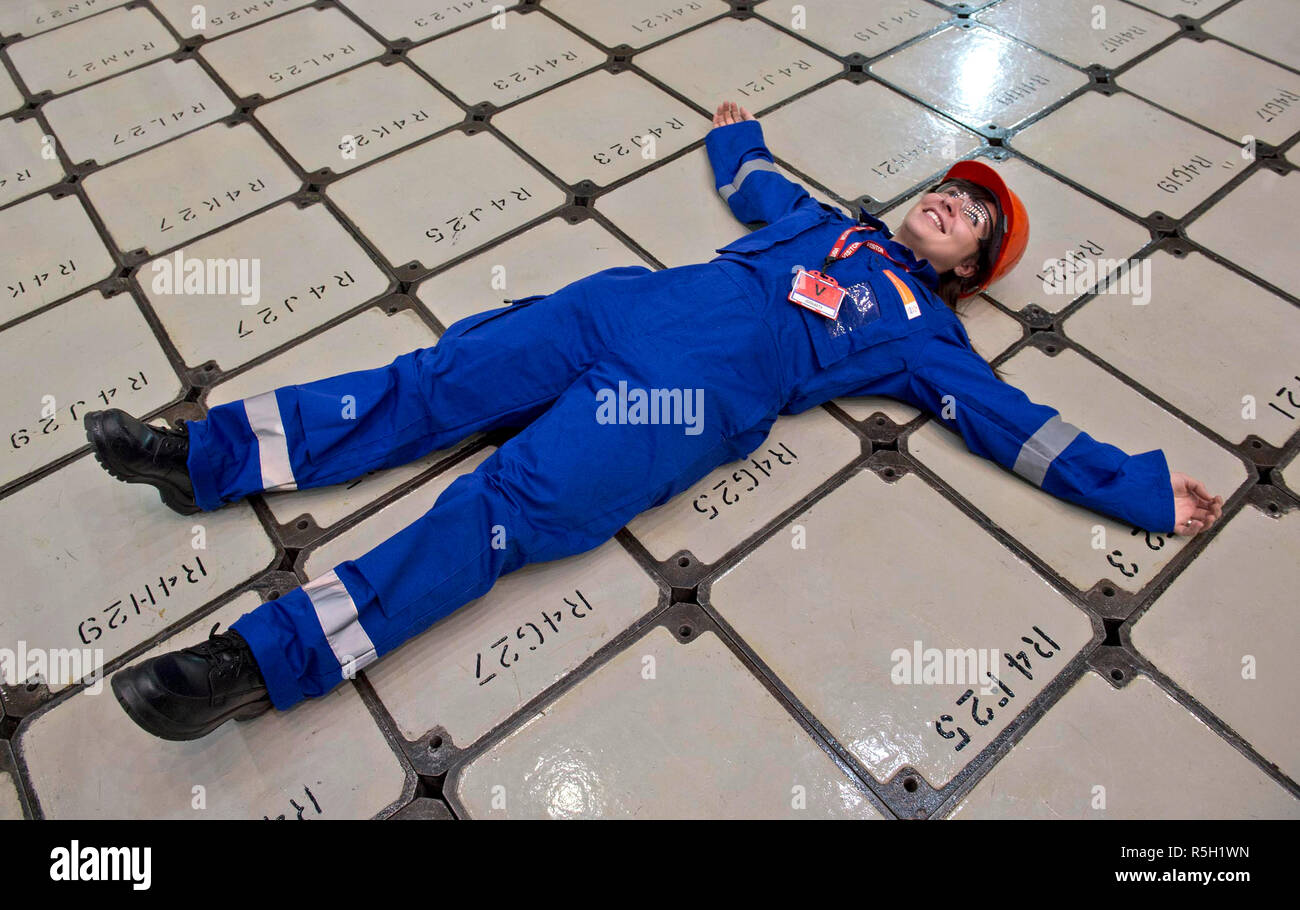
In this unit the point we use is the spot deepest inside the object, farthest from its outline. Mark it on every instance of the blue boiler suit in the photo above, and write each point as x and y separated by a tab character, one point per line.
568	481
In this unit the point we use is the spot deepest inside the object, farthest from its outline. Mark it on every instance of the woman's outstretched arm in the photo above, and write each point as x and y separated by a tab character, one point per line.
999	422
744	171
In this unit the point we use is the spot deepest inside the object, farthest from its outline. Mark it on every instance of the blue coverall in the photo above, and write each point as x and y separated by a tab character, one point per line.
568	481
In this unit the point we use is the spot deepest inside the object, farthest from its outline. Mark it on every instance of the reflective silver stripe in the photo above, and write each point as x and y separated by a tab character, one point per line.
272	448
1039	450
338	619
753	164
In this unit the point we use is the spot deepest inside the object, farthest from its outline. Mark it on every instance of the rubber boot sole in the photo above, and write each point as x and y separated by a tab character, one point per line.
173	497
130	687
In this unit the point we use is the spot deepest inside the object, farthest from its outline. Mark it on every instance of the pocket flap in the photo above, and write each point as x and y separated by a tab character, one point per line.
474	320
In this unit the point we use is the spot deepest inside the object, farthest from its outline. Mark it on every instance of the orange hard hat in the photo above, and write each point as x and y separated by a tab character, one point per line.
1011	231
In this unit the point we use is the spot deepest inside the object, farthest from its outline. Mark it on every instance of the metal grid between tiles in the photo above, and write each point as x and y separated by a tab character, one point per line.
684	582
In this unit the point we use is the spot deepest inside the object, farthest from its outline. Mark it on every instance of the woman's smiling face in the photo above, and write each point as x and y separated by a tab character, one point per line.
946	226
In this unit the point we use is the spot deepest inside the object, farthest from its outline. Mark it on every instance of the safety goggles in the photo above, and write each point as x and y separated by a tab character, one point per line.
979	213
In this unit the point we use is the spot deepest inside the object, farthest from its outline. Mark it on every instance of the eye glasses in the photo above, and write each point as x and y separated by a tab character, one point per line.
975	210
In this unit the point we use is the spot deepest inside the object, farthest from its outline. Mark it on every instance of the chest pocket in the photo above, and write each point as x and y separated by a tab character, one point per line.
782	229
874	311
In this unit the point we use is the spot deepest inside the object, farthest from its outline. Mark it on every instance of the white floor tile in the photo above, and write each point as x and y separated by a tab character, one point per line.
635	23
106	565
480	191
627	744
368	340
294	293
10	96
328	506
501	64
136	111
1267	27
383	108
1244	227
867	27
52	250
1258	100
1081	31
1132	753
820	134
27	162
986	80
626	125
1133	153
747	61
1194	9
11	809
290	52
1232	653
325	759
417	19
220	18
88	51
90	353
1243	334
154	201
35	16
1287	472
735	500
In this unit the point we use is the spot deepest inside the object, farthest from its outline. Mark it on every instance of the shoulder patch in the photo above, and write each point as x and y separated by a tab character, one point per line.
905	294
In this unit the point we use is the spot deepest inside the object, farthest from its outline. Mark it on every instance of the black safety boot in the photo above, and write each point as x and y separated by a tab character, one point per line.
136	452
187	694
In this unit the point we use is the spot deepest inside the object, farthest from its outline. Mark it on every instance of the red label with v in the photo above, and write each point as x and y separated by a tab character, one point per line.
817	292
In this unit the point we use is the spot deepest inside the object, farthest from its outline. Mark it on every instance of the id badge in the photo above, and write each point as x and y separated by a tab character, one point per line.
817	292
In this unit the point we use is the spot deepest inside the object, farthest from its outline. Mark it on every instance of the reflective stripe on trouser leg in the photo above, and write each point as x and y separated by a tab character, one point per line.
272	448
1041	449
339	621
306	641
753	164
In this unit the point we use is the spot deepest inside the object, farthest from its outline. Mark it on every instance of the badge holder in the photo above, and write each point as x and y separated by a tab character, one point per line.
817	292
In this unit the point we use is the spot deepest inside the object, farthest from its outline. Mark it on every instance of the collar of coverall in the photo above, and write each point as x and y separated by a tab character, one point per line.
920	269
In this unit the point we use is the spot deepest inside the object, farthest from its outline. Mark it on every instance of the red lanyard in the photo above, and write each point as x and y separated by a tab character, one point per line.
835	253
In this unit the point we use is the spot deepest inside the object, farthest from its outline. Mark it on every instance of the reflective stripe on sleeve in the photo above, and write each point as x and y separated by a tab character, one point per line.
272	447
1039	450
753	164
338	619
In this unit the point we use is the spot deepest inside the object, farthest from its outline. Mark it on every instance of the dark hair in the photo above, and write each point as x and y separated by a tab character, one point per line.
952	285
983	255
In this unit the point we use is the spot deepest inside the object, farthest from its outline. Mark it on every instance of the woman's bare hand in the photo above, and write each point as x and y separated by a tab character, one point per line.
729	112
1194	508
